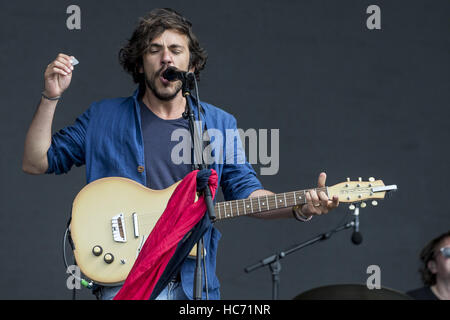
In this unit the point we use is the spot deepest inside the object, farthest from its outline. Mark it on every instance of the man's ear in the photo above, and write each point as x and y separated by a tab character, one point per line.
432	266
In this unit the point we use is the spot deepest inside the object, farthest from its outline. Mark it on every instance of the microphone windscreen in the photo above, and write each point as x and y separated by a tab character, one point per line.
170	74
356	238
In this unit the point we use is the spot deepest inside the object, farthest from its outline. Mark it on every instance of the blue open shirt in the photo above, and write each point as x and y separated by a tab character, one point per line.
107	138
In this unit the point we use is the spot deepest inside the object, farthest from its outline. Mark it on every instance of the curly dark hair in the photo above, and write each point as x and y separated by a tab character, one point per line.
428	254
153	25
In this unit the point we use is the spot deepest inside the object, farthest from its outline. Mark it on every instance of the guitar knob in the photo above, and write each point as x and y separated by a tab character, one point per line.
363	205
371	179
374	203
109	258
352	207
97	250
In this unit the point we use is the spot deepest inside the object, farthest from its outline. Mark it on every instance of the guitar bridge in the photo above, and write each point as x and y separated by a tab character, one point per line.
118	228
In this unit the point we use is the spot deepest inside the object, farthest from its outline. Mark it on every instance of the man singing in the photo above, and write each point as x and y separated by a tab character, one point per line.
131	137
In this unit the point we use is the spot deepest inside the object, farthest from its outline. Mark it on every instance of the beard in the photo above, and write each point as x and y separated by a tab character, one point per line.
164	96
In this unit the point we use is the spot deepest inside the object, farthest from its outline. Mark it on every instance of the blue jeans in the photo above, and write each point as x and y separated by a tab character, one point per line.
173	291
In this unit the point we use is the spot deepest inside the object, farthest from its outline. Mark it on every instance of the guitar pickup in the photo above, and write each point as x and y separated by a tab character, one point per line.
135	225
119	228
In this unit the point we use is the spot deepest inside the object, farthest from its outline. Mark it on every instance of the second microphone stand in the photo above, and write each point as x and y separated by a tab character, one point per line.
273	261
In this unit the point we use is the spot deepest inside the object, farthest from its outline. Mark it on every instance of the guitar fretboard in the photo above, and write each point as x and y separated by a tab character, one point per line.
242	207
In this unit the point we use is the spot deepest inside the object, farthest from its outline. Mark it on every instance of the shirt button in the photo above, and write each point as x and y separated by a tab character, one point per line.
140	169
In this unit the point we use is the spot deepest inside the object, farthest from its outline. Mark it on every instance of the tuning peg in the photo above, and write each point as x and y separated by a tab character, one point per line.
359	179
374	203
371	179
348	179
363	205
352	207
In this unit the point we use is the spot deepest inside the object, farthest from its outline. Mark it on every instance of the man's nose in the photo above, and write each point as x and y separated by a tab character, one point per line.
167	57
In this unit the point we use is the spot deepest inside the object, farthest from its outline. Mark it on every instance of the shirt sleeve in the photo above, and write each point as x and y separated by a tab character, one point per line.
68	146
238	176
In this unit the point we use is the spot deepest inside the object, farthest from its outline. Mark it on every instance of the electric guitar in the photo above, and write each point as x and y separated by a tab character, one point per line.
112	217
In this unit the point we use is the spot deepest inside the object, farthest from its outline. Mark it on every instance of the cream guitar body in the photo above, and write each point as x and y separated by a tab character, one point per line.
111	219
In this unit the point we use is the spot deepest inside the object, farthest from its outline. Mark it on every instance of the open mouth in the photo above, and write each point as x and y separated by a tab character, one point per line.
164	80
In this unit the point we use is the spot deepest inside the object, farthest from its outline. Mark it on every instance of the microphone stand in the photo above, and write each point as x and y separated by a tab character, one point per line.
197	164
273	261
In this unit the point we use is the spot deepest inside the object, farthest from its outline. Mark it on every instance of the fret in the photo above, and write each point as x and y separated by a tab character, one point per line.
280	201
295	199
231	206
218	210
285	204
299	197
245	210
237	205
267	201
259	203
251	203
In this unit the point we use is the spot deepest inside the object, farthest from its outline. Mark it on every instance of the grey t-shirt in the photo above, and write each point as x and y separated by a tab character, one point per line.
161	171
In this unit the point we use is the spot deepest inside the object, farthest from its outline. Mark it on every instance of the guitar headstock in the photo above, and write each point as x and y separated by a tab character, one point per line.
358	191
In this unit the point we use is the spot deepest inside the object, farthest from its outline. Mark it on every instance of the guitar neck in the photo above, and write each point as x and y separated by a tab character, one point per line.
255	205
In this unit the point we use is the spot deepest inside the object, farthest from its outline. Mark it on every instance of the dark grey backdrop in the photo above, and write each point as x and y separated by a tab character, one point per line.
347	100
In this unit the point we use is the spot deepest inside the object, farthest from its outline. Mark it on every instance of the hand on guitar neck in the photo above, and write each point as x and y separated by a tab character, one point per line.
317	203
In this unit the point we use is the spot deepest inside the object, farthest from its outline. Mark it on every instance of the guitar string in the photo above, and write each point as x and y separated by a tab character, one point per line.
223	216
269	203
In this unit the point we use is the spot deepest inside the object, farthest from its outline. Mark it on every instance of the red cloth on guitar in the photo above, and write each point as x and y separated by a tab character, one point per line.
179	217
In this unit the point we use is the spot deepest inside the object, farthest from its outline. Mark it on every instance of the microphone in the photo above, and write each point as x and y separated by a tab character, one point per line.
174	74
356	235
